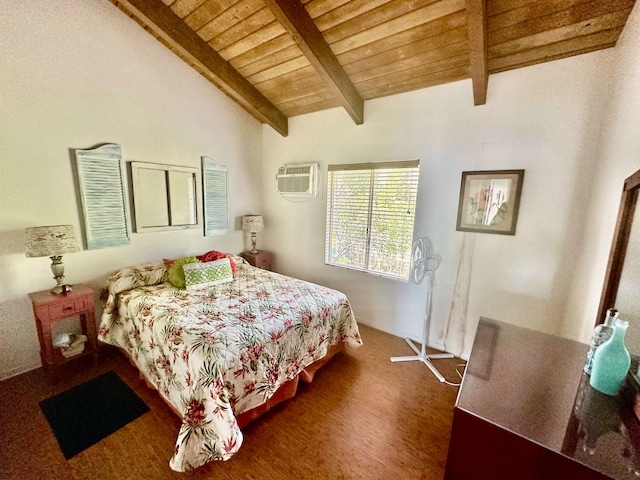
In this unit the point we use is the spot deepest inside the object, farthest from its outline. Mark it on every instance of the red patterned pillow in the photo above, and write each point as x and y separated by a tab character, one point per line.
212	255
168	262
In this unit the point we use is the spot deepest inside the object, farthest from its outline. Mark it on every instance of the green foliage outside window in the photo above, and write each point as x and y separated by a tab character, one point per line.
370	217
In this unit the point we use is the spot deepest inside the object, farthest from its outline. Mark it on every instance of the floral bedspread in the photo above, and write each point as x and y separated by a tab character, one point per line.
222	350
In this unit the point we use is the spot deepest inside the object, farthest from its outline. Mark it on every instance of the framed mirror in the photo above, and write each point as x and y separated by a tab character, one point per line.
621	288
165	197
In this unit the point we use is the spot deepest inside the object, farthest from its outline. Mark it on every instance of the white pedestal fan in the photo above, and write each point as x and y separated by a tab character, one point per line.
423	266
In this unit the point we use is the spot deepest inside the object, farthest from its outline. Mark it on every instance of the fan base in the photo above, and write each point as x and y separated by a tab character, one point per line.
424	358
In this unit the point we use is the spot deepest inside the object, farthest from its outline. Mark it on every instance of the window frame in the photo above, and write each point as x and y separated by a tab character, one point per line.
369	235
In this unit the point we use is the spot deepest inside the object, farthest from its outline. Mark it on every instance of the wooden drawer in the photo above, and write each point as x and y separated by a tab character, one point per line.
68	308
263	261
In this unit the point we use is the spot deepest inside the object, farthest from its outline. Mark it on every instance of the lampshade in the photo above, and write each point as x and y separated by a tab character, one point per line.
252	223
50	241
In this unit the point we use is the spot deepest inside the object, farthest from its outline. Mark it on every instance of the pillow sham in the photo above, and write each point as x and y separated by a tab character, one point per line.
176	272
208	273
212	255
126	278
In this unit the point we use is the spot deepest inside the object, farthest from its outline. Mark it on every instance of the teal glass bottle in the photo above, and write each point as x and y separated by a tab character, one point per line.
601	334
611	362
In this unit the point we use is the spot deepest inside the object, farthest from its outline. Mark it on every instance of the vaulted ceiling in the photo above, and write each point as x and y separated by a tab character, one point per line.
281	58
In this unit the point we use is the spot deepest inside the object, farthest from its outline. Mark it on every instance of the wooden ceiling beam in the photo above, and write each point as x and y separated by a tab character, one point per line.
478	62
185	42
296	20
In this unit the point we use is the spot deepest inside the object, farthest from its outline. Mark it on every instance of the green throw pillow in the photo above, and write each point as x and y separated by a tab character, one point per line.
176	273
208	273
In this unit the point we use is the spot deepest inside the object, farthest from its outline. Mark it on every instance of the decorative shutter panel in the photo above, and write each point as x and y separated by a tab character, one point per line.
104	196
216	209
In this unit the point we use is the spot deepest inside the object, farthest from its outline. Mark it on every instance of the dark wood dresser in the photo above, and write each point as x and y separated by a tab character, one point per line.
525	411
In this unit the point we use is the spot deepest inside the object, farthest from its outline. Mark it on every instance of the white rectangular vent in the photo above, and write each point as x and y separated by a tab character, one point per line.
297	180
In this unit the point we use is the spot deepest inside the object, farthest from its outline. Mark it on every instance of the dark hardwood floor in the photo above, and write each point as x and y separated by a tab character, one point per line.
362	417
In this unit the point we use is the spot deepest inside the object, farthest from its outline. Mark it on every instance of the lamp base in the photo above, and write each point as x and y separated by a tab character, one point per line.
57	268
253	243
64	289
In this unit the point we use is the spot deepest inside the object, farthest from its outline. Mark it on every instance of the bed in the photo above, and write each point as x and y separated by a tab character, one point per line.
221	355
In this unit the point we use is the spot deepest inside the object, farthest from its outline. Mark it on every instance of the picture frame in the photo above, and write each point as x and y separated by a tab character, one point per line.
489	201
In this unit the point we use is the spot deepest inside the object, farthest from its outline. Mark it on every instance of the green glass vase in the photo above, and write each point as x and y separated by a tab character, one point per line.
611	362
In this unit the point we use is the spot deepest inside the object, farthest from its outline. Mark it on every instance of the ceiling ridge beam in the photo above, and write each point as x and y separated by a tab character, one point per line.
171	29
296	20
478	61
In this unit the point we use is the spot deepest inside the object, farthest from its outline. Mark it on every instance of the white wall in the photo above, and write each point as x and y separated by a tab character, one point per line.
544	119
76	74
619	157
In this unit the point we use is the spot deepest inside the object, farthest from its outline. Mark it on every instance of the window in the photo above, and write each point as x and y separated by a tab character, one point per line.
370	214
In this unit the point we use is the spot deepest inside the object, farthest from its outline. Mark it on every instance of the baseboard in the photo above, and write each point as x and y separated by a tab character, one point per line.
14	372
395	333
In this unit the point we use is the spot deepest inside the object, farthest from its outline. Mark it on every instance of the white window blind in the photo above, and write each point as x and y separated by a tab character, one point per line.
370	216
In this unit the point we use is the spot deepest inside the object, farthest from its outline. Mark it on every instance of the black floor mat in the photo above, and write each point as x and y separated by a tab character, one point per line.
86	414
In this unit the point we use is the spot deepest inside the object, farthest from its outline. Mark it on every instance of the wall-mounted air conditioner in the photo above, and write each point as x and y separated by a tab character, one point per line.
298	180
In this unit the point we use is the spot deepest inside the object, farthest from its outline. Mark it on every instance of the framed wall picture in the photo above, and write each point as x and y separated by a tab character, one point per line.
489	201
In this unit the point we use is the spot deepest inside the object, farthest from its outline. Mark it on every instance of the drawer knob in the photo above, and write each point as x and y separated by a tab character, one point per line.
66	309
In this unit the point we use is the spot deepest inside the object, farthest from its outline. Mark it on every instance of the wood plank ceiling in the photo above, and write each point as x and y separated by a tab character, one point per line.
282	58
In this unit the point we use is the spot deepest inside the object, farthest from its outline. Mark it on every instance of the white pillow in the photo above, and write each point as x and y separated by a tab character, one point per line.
205	274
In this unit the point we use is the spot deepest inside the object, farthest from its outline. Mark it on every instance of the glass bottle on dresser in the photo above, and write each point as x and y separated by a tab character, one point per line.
601	334
611	362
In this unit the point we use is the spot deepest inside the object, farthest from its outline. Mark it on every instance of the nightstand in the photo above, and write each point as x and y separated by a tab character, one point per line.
261	259
48	308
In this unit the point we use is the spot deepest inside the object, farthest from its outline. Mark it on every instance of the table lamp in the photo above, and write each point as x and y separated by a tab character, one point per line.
52	241
253	224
